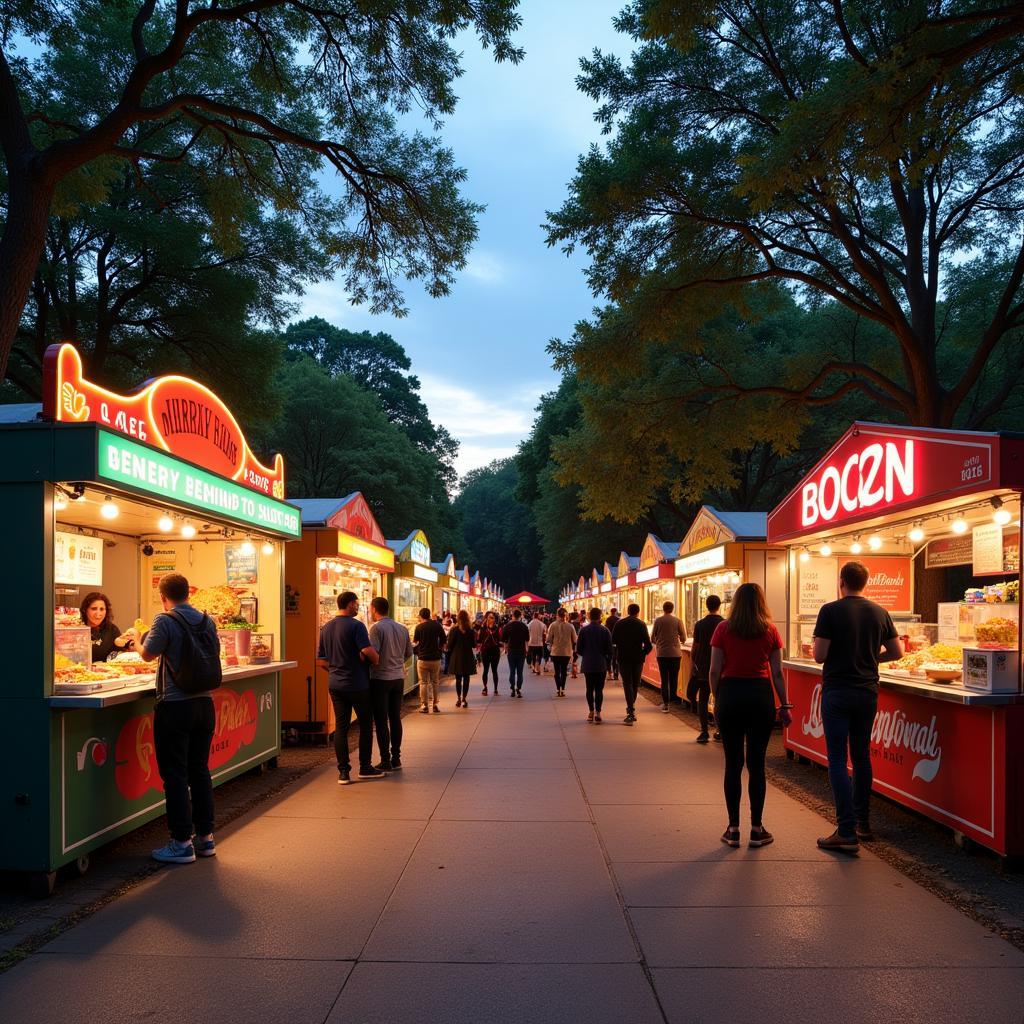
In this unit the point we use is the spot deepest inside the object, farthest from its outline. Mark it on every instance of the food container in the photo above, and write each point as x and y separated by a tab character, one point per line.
991	671
261	649
943	673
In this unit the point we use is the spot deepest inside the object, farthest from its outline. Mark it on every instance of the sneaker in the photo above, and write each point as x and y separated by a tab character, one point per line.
465	703
846	844
731	837
519	694
424	710
175	853
396	763
344	776
717	737
437	710
372	773
628	720
864	834
384	766
664	709
205	847
597	718
484	691
703	738
760	837
590	717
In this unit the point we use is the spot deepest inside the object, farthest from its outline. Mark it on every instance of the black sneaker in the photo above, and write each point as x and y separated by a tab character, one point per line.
384	766
519	693
864	834
717	737
760	837
628	720
703	738
396	763
372	773
846	844
344	776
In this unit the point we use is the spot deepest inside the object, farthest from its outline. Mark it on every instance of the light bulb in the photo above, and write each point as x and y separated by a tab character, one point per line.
60	502
247	547
109	509
165	524
188	531
916	535
268	548
805	555
1002	516
874	542
856	548
959	525
825	550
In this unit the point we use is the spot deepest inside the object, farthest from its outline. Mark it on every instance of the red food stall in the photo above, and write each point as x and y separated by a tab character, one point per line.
935	517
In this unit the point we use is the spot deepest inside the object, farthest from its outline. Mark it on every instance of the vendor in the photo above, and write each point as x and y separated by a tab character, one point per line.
106	637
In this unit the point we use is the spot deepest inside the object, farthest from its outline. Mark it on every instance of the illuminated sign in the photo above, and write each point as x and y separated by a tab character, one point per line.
463	587
702	561
525	600
423	573
606	588
621	582
704	533
179	415
365	551
646	575
123	461
419	552
77	559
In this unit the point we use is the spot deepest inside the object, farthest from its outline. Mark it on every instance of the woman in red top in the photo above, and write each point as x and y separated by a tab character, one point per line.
746	661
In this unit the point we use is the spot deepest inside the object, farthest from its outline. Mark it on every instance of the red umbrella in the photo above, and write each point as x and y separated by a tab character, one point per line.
524	597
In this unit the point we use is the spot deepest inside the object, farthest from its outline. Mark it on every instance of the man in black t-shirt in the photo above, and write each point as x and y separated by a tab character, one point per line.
516	638
852	635
698	690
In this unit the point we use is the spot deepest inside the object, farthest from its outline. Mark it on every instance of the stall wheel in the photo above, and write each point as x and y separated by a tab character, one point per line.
272	764
81	865
40	884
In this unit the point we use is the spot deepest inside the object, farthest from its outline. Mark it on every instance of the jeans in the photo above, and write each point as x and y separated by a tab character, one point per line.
848	714
461	685
745	713
345	703
698	691
516	660
182	734
595	690
491	659
386	697
429	675
630	671
669	671
535	655
561	663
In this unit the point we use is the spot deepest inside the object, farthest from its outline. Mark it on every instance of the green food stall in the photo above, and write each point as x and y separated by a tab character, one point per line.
105	493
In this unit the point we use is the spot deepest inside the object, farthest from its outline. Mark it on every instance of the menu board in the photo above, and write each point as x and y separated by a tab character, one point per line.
77	559
819	583
240	568
947	551
987	549
889	582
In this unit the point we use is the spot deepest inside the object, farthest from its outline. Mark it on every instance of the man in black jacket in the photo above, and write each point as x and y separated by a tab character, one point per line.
698	690
632	645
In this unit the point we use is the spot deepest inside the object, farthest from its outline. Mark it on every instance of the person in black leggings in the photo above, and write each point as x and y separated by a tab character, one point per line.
490	648
462	657
746	661
594	647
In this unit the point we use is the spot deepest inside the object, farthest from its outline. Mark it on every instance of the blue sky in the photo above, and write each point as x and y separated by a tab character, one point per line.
480	352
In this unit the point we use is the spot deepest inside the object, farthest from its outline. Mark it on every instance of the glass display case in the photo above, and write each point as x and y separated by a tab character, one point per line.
72	645
656	595
410	597
261	649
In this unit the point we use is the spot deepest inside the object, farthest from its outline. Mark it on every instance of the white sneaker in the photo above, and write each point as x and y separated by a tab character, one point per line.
664	708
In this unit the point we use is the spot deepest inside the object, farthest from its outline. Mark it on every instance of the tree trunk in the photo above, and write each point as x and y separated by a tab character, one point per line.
21	246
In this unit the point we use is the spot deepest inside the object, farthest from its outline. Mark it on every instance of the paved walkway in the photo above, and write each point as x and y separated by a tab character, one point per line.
524	867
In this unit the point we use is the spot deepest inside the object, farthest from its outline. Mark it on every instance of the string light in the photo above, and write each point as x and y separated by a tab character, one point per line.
874	542
247	547
60	502
805	555
188	531
959	525
165	524
856	547
825	549
916	534
1001	515
268	548
109	509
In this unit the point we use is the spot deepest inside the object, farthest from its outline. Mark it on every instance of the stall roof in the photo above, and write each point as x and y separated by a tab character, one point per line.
743	525
316	511
351	514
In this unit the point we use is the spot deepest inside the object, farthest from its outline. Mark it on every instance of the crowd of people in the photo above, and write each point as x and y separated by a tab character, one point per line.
736	659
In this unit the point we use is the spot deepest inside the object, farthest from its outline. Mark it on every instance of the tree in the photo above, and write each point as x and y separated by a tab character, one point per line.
380	364
336	438
322	87
864	155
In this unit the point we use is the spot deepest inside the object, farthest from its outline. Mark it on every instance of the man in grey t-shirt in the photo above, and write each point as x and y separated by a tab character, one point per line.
393	645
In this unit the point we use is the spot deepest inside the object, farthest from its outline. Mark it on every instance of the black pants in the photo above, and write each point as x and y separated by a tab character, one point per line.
182	734
345	702
534	655
490	659
698	691
668	668
386	697
595	690
613	665
630	671
745	714
461	685
561	663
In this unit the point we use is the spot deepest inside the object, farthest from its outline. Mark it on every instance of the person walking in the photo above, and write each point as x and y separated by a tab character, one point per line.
698	689
852	635
577	624
489	639
746	662
428	641
535	653
462	656
516	637
446	624
611	622
594	647
562	641
393	645
185	641
668	637
632	644
346	653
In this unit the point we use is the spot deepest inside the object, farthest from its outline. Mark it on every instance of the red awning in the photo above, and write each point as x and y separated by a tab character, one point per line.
524	597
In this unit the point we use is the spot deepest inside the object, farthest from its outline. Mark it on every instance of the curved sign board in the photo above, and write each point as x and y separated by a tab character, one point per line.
177	414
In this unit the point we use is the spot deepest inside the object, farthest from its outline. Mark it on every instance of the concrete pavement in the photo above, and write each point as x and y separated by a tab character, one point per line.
523	867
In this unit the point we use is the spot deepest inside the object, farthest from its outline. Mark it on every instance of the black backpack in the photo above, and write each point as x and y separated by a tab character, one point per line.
200	669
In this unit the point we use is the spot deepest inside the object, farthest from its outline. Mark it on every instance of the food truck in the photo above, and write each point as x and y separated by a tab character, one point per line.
105	493
934	515
341	548
720	551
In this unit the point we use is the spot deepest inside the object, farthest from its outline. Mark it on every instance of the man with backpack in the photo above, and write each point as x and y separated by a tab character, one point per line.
185	640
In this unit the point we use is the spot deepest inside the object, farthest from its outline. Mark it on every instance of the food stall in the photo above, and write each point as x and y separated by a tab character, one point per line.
446	591
106	492
720	551
626	590
476	595
608	588
412	588
341	548
655	580
935	517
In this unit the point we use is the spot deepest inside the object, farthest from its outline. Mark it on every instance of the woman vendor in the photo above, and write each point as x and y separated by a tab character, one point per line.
106	637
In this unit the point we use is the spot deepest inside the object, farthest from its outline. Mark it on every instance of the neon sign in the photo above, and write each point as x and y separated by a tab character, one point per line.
179	415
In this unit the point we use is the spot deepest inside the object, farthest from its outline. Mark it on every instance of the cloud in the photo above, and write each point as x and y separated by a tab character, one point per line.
471	413
485	268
